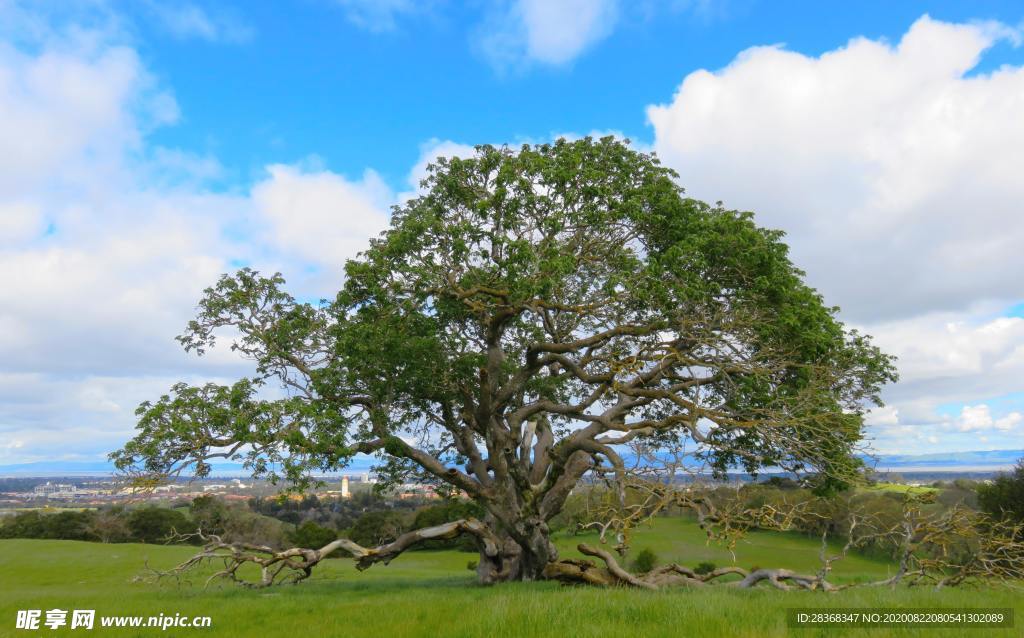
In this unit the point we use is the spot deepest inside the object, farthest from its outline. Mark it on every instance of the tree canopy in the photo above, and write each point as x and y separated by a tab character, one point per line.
529	314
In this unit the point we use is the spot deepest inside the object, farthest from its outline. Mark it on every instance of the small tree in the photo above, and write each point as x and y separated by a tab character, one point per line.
109	525
157	524
310	534
434	515
209	513
528	315
645	560
377	528
1004	496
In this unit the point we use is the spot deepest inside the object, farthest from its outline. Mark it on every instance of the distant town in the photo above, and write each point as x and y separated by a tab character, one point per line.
92	492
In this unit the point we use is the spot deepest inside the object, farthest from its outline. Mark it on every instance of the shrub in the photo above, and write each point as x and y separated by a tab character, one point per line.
67	525
109	525
704	567
445	513
1004	497
209	513
157	524
645	560
377	528
312	536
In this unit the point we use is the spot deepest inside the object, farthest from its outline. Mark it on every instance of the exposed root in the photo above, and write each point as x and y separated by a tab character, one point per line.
673	575
296	564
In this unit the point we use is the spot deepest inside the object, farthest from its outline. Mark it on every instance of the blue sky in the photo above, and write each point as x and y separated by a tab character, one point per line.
306	80
146	147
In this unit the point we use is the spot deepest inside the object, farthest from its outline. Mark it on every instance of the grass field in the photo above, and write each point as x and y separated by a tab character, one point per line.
902	488
433	594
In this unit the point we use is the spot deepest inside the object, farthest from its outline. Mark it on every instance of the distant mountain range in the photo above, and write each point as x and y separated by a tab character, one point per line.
978	460
974	461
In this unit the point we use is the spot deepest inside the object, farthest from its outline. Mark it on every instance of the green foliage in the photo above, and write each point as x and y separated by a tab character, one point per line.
210	514
67	525
312	536
782	483
447	512
535	281
109	525
157	524
1004	497
377	528
645	560
704	567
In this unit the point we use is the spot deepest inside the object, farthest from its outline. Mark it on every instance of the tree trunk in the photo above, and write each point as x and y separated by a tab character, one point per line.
522	554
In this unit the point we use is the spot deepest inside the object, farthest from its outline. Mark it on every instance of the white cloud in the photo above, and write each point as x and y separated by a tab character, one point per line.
883	416
947	357
107	243
187	20
72	106
552	32
1009	422
894	171
381	15
321	216
893	168
975	417
19	222
112	240
979	417
429	153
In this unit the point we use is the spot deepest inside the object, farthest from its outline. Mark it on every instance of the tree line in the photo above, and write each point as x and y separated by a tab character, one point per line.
277	523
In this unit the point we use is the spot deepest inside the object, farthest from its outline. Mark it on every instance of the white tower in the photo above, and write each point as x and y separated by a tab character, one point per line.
344	487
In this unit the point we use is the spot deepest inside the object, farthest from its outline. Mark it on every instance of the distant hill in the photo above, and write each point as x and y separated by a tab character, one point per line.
991	460
973	461
45	469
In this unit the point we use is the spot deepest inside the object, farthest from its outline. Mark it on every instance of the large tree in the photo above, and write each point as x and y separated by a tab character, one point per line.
526	317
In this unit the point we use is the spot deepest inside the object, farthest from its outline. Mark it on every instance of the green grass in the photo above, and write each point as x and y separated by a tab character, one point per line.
901	488
433	594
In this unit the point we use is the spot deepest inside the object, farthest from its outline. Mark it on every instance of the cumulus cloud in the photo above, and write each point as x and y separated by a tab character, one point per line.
886	163
69	106
108	242
551	32
893	169
430	151
954	356
321	216
979	417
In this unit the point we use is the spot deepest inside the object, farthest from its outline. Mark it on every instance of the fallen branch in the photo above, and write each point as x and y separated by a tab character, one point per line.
295	564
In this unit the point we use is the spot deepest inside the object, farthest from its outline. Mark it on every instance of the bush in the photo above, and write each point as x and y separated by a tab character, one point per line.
1004	497
67	525
157	524
705	567
237	524
445	513
645	560
312	536
109	525
377	528
209	513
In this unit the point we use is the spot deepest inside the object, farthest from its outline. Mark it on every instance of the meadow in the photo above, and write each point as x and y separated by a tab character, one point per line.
432	593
